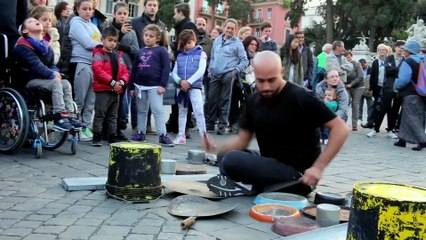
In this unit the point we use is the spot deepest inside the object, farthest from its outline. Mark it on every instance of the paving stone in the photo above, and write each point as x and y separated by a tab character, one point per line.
40	237
88	222
41	217
4	206
20	232
6	223
80	232
97	215
172	226
105	237
170	236
50	229
151	222
60	221
140	237
50	211
27	224
143	229
88	202
241	232
9	214
114	230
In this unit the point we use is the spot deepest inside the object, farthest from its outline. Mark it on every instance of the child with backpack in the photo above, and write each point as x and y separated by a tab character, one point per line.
149	77
110	77
188	74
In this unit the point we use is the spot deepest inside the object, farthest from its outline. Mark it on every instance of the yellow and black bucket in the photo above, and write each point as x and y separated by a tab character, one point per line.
134	172
387	211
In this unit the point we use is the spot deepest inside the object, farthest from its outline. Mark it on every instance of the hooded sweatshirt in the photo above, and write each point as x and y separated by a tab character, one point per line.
85	36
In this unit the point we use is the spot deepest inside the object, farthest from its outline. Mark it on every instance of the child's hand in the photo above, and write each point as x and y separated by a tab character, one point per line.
160	90
132	93
58	76
185	85
117	87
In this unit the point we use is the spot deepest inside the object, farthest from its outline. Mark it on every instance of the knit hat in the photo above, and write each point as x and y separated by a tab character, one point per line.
412	46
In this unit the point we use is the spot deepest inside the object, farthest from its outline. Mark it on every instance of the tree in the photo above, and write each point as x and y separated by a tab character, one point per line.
329	20
240	10
296	11
316	34
166	12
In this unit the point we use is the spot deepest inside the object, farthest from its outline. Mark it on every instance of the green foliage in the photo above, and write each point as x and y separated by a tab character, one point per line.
286	3
239	10
316	35
166	12
296	12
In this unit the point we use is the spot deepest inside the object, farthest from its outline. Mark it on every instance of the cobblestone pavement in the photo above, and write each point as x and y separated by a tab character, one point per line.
33	204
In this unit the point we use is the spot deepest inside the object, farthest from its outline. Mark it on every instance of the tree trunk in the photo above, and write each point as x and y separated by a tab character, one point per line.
372	38
329	21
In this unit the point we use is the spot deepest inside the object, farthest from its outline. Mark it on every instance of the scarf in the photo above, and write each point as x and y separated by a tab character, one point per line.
40	46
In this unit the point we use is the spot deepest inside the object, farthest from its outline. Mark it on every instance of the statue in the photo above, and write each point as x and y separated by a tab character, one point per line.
362	46
417	31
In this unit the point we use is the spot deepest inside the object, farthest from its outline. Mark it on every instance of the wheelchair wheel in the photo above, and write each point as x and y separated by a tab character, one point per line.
38	149
74	146
14	120
50	138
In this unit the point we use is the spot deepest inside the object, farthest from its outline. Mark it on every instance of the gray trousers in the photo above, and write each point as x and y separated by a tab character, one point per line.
61	93
83	92
355	95
220	93
155	102
106	109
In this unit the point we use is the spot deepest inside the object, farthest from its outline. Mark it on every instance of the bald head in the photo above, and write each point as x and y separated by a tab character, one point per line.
269	74
201	24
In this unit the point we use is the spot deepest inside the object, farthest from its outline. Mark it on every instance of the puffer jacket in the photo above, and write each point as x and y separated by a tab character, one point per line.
102	70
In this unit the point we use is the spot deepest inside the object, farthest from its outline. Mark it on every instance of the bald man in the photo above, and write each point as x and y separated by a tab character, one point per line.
285	119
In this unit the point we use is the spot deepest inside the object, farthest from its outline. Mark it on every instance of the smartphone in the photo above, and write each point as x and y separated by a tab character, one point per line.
129	22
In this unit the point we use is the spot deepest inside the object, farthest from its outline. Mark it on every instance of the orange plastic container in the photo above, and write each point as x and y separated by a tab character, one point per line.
270	212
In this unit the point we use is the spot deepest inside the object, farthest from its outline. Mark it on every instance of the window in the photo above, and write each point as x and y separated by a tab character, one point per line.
269	13
109	6
219	23
257	34
133	8
259	13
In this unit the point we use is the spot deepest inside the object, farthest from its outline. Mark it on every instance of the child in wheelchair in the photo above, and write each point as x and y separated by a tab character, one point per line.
35	57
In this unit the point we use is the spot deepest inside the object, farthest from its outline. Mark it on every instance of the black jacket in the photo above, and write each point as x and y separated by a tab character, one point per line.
141	22
12	14
186	23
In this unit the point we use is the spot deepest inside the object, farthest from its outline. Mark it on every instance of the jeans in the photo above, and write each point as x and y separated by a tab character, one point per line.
220	98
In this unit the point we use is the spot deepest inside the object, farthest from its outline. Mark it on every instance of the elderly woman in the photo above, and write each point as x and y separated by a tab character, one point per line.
412	128
333	80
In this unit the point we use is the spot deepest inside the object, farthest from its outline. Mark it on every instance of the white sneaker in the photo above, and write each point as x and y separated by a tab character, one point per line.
86	135
359	122
391	135
180	140
372	134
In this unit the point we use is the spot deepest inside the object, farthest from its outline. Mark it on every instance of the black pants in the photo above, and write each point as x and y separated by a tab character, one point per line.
249	167
106	107
371	119
389	104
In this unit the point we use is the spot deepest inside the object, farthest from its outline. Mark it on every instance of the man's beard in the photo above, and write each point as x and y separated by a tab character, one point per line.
268	96
201	31
149	14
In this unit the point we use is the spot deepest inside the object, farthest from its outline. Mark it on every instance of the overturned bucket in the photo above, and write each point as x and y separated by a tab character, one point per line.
134	172
387	211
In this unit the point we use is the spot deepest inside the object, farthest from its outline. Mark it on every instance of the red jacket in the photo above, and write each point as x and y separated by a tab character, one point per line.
102	70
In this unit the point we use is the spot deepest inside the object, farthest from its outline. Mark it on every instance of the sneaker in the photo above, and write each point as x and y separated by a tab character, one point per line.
391	135
220	130
210	128
120	136
77	123
86	135
166	141
325	141
63	125
138	136
97	140
180	140
400	143
113	139
372	134
367	125
223	186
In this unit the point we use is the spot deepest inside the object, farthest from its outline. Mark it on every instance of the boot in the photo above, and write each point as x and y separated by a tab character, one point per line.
97	139
419	147
400	143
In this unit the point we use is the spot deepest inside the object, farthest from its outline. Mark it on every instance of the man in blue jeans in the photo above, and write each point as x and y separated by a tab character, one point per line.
285	119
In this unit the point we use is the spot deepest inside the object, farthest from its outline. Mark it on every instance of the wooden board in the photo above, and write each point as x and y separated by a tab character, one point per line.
188	169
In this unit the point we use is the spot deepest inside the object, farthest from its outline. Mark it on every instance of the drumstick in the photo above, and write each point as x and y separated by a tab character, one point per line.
185	224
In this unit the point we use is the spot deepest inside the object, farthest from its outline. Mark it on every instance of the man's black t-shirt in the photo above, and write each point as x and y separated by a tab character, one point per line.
287	127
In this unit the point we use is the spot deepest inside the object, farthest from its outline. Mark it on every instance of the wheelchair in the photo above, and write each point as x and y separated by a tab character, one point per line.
26	116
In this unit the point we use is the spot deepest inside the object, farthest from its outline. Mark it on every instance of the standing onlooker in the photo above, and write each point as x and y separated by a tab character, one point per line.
62	13
321	65
35	3
244	32
336	61
330	99
377	78
333	80
110	77
181	17
355	87
188	73
228	59
149	16
215	32
128	44
389	103
206	43
307	59
252	46
85	36
148	80
265	38
291	59
50	34
10	20
412	127
368	94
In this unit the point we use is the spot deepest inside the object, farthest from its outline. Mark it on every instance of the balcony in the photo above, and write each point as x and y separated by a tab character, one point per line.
221	14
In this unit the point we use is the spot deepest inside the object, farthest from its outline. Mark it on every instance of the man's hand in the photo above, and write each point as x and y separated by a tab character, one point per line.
348	86
234	74
312	176
160	90
132	93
